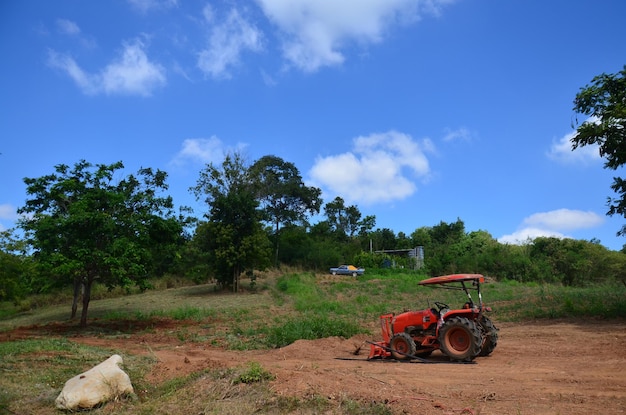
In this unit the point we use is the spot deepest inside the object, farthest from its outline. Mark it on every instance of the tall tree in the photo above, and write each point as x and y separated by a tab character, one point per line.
85	226
604	104
346	220
283	196
233	236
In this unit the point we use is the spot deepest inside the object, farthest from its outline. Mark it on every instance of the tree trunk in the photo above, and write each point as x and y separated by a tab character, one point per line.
78	285
235	279
86	298
277	239
276	254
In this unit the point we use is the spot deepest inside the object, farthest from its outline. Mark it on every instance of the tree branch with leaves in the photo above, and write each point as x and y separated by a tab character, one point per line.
603	102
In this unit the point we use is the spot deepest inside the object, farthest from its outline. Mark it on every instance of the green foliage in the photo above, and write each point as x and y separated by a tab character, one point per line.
604	102
310	328
254	373
122	234
233	238
346	221
448	249
12	269
284	198
296	247
83	225
369	260
374	260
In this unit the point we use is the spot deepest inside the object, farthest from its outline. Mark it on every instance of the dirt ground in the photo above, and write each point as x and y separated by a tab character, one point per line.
539	368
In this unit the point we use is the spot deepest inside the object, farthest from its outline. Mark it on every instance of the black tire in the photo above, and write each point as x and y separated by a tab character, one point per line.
334	272
402	345
490	336
460	339
354	274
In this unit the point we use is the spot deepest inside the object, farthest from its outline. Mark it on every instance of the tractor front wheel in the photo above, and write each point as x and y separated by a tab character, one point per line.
460	339
402	346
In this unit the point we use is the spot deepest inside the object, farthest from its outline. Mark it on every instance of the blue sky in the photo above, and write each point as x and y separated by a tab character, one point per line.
415	111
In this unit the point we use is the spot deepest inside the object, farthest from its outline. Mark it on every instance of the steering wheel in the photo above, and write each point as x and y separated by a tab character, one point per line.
441	306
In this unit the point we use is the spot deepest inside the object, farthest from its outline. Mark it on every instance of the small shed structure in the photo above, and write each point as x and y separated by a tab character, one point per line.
416	254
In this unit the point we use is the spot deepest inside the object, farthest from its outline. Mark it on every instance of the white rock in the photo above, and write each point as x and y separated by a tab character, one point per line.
99	384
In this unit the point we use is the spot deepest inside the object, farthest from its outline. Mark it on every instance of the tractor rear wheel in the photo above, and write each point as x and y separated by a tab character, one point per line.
490	336
460	339
402	346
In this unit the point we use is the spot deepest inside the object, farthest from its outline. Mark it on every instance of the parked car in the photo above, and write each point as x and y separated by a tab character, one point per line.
347	270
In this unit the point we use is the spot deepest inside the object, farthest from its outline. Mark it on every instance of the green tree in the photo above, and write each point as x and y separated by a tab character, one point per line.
296	245
84	226
233	238
383	239
16	267
439	258
283	196
604	103
346	220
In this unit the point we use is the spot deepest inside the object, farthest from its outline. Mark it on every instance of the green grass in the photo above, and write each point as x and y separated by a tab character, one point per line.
310	328
35	370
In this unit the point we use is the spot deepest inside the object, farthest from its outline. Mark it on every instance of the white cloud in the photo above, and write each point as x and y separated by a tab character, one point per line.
203	151
86	82
132	73
8	211
561	151
199	150
380	168
552	224
462	134
565	219
528	235
68	27
227	41
315	32
147	5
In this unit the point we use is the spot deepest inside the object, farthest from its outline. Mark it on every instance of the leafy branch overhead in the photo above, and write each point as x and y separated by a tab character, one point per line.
603	102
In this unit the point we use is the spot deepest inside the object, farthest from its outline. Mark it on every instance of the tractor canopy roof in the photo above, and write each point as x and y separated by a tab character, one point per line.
445	279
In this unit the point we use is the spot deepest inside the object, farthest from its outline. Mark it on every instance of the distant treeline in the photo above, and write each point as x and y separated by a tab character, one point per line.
84	225
447	248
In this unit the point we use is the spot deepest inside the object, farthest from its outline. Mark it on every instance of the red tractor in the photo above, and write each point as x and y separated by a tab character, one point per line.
461	334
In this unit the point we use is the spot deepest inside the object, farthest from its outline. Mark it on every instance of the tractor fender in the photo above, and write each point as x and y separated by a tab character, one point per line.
447	315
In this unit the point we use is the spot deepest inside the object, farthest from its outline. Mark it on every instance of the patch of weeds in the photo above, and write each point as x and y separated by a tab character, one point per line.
351	407
311	328
191	313
172	386
237	342
253	374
